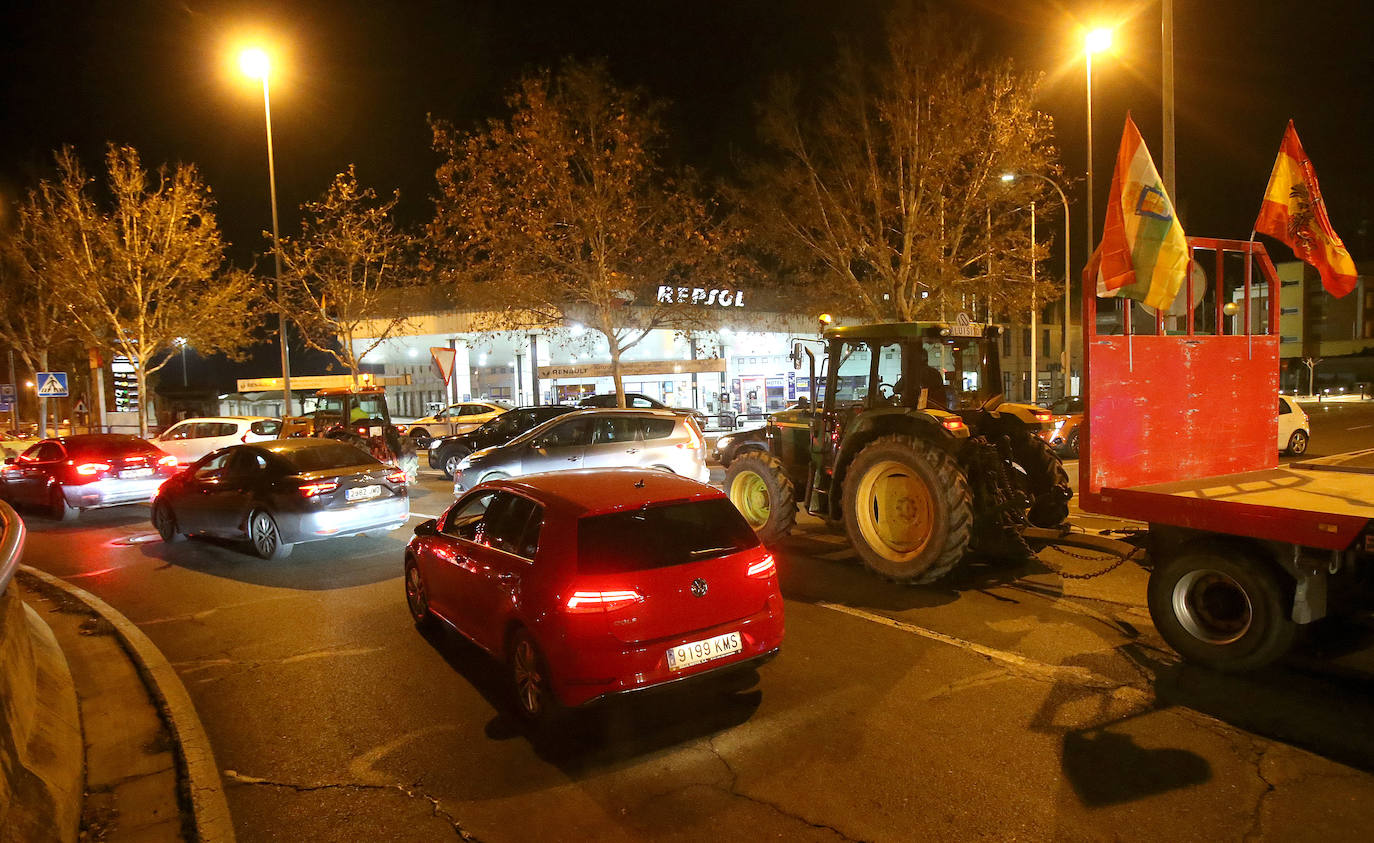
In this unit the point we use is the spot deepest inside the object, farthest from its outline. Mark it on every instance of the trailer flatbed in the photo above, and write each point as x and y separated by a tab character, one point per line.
1324	503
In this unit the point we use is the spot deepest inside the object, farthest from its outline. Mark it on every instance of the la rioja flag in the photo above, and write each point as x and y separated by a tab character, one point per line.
1293	211
1144	253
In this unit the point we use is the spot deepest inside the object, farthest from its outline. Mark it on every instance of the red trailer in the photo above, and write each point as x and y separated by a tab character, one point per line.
1181	433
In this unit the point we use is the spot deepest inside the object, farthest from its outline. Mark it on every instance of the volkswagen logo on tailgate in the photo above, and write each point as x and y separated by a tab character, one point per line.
698	587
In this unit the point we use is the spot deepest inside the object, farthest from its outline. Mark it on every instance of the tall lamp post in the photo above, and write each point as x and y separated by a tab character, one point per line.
255	64
1096	41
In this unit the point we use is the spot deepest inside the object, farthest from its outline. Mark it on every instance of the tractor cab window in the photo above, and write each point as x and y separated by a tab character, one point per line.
959	363
329	410
851	375
369	406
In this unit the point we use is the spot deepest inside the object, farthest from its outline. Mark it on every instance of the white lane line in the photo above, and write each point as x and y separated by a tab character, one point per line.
414	514
1360	427
1076	675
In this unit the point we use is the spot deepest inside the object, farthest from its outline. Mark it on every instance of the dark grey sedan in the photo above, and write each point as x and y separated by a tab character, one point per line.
282	492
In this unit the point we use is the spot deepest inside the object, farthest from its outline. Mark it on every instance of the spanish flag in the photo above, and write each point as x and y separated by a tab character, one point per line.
1293	211
1144	253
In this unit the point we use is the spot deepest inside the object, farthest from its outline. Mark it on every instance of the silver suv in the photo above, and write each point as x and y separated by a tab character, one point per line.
617	438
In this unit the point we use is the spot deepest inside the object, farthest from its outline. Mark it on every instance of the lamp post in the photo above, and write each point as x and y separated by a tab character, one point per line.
1096	41
1068	274
181	341
256	65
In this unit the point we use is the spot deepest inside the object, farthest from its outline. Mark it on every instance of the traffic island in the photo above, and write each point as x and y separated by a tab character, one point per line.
41	761
149	771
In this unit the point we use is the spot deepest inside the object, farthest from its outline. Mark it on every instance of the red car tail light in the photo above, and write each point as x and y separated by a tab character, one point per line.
764	568
397	476
602	601
952	424
310	490
1041	415
169	461
92	469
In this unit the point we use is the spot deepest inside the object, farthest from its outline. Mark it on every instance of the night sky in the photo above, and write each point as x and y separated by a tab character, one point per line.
356	80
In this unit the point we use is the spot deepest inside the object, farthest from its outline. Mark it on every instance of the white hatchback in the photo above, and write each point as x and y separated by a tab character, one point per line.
1294	427
192	439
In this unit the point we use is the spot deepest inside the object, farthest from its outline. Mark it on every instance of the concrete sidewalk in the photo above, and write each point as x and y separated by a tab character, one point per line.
143	749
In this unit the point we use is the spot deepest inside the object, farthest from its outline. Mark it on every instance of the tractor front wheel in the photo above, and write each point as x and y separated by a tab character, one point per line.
760	489
907	509
1043	479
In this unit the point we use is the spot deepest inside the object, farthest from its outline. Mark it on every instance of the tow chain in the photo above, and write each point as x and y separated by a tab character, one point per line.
1133	555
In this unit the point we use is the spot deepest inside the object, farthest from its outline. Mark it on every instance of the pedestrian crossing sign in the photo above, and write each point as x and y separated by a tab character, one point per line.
52	384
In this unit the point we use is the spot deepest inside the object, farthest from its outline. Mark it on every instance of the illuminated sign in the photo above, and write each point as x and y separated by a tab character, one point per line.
703	296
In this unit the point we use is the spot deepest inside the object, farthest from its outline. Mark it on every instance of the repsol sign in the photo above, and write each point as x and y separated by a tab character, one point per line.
703	296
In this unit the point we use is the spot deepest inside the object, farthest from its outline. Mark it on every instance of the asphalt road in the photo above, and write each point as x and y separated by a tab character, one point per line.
1000	704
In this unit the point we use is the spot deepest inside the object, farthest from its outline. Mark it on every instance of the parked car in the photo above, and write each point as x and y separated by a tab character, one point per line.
658	439
191	439
731	445
454	419
595	583
1067	416
1295	428
638	401
88	471
445	452
281	492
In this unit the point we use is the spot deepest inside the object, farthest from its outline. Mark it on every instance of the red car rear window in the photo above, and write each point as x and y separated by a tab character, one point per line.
661	536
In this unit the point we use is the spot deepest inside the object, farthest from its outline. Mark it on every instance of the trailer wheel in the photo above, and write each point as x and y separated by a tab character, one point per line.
907	509
1041	473
1222	608
760	489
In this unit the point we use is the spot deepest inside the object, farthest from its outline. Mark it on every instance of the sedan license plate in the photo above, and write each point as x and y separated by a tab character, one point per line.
696	652
362	493
131	473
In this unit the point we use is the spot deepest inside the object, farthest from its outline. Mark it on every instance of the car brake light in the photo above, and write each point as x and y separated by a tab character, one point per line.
602	601
1041	416
169	461
397	476
952	424
90	469
764	568
310	490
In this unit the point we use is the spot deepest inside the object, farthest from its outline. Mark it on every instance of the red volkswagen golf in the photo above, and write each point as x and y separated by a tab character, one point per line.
590	583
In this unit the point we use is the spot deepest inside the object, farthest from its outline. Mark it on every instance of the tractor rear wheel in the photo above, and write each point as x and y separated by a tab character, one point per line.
1040	473
760	489
907	509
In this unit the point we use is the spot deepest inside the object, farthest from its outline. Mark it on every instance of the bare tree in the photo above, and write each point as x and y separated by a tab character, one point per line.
148	271
885	187
566	210
347	271
34	319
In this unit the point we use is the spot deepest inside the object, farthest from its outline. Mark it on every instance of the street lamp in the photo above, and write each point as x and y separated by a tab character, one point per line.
255	64
1096	41
1068	273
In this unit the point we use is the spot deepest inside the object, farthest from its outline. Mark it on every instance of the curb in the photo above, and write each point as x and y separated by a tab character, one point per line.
209	807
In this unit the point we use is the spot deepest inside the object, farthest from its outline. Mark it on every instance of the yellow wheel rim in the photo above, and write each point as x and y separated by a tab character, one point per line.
749	494
894	511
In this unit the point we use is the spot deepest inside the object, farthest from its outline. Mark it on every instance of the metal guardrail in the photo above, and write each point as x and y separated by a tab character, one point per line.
11	545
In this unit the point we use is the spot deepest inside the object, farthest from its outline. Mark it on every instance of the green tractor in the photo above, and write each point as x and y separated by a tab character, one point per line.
910	446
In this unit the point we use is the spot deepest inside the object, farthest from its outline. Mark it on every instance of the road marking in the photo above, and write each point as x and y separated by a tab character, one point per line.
423	515
1360	427
1074	675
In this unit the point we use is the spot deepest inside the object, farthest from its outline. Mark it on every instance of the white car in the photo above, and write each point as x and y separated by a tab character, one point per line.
454	419
192	439
1294	427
